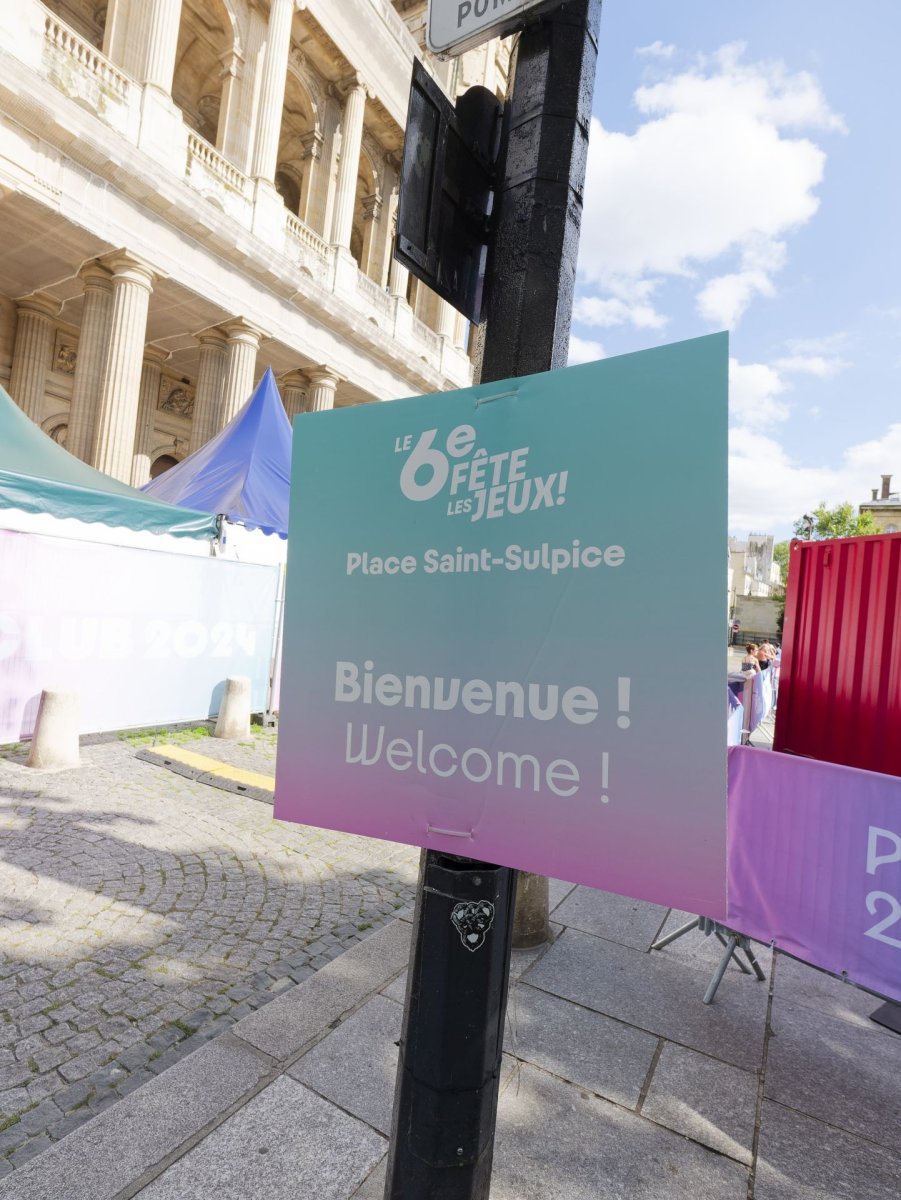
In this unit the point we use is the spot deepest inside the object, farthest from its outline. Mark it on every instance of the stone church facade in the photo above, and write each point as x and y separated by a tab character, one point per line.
193	190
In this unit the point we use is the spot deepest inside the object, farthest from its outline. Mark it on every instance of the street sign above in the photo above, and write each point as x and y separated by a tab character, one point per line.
455	26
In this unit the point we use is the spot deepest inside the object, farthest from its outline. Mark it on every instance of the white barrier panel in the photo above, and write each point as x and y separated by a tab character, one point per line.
143	637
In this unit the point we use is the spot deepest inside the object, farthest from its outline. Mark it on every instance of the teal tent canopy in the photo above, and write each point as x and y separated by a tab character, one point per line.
38	476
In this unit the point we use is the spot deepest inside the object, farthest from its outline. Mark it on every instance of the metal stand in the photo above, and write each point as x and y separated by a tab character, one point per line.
731	942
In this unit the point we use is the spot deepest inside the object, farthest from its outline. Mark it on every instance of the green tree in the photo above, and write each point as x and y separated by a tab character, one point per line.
839	522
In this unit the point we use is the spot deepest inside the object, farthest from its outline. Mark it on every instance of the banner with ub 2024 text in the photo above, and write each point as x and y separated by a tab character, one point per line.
504	624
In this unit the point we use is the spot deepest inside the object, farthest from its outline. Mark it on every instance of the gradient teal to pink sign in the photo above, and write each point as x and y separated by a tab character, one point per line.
504	624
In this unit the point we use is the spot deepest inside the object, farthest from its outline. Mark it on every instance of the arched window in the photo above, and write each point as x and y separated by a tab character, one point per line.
287	187
298	148
163	463
205	42
367	210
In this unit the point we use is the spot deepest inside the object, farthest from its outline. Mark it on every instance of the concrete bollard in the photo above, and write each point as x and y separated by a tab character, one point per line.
531	926
54	743
234	711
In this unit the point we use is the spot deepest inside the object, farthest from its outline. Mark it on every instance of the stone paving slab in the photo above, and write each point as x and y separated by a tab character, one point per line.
285	1144
656	995
618	918
709	1101
557	1141
802	1159
841	1073
285	1026
103	1157
356	1066
574	1043
824	994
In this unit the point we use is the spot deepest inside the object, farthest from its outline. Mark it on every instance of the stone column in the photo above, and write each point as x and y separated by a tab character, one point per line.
323	385
312	153
93	344
398	279
272	90
31	354
149	395
445	320
372	209
117	407
461	331
349	162
163	17
241	360
295	389
210	386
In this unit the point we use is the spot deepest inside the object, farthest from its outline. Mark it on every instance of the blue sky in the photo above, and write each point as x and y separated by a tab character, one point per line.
744	174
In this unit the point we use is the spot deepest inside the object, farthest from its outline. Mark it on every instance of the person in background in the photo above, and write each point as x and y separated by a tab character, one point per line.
763	659
750	662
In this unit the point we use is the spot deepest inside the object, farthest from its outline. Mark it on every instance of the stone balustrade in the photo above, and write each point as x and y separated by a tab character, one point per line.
85	56
212	161
376	296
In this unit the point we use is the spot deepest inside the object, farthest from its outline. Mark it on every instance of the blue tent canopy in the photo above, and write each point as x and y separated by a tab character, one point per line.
244	472
39	476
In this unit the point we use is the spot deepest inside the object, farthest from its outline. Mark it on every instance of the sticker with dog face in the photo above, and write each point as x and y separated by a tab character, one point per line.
472	919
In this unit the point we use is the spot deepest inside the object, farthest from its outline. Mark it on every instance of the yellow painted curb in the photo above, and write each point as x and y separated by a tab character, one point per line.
212	766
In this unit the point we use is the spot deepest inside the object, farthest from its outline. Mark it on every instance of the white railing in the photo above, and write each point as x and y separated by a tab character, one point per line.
376	296
88	57
397	25
427	336
201	150
307	238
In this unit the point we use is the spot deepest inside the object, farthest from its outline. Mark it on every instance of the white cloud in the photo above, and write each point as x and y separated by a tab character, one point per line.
656	50
614	310
769	490
817	365
753	388
716	168
583	350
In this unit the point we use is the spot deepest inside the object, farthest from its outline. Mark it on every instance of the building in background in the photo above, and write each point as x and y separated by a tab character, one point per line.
884	507
191	190
754	571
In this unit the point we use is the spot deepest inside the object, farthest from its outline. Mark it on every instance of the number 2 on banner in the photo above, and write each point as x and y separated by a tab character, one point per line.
894	916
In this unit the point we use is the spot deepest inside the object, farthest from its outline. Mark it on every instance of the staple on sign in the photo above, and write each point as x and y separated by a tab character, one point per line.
449	832
497	396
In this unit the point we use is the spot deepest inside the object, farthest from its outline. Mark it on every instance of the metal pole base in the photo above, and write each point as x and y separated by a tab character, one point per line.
445	1101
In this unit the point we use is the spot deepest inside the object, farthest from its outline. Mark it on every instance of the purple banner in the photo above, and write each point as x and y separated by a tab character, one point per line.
815	863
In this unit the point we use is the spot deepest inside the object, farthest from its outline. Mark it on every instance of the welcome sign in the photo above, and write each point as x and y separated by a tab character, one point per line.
504	624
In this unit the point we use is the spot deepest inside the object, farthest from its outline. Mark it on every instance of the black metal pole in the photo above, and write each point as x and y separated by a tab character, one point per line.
445	1103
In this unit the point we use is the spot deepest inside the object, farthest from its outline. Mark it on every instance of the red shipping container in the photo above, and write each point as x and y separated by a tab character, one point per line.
840	684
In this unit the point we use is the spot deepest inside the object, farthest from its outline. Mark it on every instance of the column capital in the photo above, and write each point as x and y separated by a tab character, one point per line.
156	354
324	374
241	330
129	268
39	303
213	335
94	275
294	378
372	207
312	144
351	84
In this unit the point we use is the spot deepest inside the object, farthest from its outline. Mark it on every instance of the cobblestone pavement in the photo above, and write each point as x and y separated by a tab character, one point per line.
142	913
